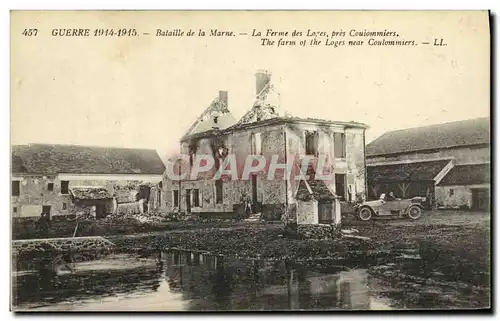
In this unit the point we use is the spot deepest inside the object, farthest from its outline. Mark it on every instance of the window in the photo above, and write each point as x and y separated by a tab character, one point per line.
451	192
340	186
16	188
218	191
64	187
339	145
256	148
14	209
176	198
50	186
312	143
196	198
65	206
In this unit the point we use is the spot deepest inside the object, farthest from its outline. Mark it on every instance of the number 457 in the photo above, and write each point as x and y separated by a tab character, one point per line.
30	32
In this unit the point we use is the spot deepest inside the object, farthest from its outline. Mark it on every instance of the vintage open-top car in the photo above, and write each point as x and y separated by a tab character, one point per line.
411	208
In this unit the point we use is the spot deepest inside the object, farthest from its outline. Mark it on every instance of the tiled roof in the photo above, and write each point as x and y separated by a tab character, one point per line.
72	159
461	133
17	165
467	175
90	193
420	171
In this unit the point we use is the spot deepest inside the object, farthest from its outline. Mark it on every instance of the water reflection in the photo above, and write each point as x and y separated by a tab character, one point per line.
183	280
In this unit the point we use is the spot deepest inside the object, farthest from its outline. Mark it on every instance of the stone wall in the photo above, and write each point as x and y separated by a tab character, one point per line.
34	193
156	199
307	212
269	192
273	212
355	161
353	165
273	195
61	244
235	190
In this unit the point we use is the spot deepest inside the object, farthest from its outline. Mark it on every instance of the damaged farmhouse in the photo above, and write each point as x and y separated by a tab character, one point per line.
267	131
167	172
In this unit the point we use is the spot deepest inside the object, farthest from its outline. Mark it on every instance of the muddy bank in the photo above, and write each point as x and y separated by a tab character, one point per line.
28	229
456	257
263	242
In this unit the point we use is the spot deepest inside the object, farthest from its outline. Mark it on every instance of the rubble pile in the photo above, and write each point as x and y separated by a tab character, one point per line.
127	209
150	217
131	211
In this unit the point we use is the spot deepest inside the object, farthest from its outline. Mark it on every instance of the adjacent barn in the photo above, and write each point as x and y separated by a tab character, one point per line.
449	164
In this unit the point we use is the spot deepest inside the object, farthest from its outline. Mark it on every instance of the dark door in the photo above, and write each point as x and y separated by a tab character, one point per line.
254	193
46	210
100	211
480	199
325	212
188	200
340	186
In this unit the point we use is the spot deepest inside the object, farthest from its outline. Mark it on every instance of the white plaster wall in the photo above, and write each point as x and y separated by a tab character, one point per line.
307	212
462	195
353	165
34	191
29	211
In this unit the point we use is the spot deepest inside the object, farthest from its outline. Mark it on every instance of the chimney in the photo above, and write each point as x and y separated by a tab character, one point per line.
262	78
223	97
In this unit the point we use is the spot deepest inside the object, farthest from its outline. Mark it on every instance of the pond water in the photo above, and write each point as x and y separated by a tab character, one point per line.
193	281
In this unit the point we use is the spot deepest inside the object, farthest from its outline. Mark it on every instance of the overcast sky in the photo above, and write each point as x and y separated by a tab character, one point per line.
145	92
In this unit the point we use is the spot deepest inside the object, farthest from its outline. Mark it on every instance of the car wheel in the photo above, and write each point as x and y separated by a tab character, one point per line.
414	212
365	214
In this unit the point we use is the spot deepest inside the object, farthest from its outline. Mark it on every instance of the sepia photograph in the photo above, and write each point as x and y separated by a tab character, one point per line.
172	161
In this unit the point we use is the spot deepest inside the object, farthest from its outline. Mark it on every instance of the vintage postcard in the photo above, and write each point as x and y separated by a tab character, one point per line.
250	160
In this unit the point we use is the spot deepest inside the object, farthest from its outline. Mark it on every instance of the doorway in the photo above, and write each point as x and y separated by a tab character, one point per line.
325	212
254	193
46	210
188	200
100	211
480	199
